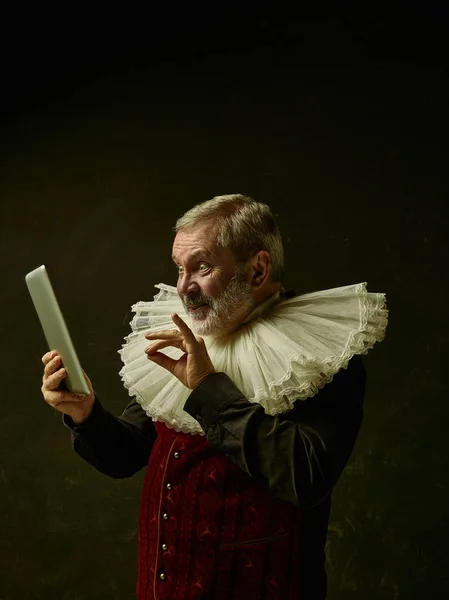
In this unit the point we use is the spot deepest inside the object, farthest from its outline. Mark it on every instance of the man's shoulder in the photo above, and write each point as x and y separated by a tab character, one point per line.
350	383
345	392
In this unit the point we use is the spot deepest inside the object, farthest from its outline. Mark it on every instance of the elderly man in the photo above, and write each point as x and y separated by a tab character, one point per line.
245	413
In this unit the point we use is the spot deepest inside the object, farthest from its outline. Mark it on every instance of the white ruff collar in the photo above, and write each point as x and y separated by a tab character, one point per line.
286	350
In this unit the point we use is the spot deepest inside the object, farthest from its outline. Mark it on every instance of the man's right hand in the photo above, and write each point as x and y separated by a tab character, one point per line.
77	406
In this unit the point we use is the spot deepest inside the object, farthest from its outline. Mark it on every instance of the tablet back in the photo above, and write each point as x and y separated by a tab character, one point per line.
55	328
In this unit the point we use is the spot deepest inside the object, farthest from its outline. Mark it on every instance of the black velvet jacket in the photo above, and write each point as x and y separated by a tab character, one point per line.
300	454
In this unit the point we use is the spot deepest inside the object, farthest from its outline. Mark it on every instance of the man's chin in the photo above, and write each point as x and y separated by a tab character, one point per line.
204	327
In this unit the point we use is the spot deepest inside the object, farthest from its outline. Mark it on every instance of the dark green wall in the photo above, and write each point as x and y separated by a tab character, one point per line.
350	150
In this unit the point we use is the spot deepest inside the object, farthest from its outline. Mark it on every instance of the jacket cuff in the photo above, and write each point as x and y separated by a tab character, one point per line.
90	425
210	398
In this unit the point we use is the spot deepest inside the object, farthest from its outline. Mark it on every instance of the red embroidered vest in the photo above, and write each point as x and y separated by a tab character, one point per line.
209	530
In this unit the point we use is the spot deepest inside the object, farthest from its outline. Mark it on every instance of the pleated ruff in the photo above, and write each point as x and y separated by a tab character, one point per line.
282	355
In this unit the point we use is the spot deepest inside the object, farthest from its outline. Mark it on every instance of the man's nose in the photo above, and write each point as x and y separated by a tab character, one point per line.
187	285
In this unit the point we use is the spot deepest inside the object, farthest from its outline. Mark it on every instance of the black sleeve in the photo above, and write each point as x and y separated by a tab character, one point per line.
116	446
300	454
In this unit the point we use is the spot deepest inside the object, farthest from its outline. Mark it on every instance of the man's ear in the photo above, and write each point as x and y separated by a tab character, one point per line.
261	268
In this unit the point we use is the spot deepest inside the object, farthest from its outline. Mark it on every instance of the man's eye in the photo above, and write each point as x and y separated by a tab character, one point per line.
201	267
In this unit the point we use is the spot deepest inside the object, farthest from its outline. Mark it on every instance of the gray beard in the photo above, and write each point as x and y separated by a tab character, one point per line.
223	311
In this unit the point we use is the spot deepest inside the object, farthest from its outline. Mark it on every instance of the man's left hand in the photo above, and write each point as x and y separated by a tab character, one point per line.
193	366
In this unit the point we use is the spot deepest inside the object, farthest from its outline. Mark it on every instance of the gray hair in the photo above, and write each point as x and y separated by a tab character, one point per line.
243	226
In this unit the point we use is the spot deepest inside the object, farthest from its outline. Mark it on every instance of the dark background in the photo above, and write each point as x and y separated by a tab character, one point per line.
114	124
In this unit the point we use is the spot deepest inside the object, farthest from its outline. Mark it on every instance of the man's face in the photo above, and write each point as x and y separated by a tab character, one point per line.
214	293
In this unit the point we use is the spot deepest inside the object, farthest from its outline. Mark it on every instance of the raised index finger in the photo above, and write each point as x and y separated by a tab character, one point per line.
183	327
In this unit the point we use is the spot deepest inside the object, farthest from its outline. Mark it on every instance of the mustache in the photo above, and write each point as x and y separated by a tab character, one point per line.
195	301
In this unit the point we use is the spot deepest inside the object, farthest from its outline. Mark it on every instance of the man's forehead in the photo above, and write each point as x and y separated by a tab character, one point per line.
193	252
195	241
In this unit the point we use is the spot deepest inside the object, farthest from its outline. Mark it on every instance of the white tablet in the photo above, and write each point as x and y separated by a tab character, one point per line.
55	329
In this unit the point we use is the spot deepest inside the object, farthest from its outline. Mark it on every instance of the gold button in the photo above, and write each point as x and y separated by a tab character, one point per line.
164	547
162	576
176	455
165	516
169	486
